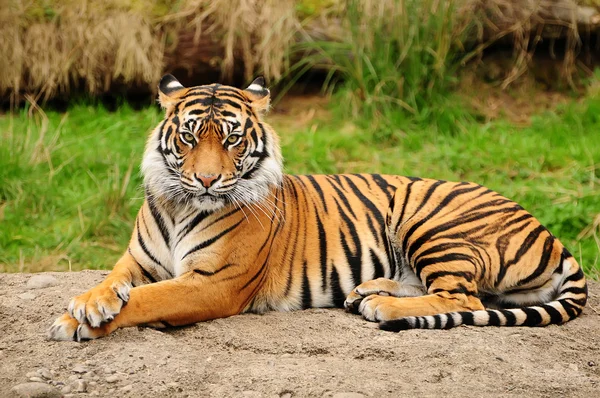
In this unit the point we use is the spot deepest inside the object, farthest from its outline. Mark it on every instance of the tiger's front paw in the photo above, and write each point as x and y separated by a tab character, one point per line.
67	328
100	304
64	328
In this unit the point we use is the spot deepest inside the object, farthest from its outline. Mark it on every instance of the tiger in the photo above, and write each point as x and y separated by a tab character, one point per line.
223	231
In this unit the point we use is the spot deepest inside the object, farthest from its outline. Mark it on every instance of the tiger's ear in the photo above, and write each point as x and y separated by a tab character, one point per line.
259	95
170	92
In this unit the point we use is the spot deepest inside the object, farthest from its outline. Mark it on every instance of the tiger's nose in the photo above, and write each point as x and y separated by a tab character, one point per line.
207	180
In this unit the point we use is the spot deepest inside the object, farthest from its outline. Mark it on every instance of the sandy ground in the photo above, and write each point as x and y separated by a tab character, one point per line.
320	352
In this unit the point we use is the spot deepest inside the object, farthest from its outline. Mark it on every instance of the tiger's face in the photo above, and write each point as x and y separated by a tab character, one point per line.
212	149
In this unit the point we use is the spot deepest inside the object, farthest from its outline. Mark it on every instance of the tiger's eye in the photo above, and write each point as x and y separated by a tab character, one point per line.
188	137
232	139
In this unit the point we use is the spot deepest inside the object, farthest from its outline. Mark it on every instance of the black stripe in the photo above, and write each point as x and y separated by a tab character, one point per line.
467	318
145	272
523	248
354	260
417	324
370	205
211	273
379	272
575	277
337	293
555	315
192	224
318	189
511	319
544	261
437	321
494	319
341	195
454	193
212	240
306	295
160	222
404	203
468	276
383	185
422	263
534	318
322	251
147	252
574	290
449	321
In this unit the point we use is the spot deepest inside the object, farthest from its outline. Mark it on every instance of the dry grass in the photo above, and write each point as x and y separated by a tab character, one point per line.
527	23
54	47
50	47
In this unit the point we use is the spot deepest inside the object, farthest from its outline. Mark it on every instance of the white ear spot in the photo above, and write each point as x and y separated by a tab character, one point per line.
174	84
255	87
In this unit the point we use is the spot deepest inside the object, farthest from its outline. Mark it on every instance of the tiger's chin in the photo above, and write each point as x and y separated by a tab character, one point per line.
208	203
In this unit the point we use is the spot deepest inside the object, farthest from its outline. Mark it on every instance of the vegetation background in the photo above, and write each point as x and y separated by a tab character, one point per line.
503	93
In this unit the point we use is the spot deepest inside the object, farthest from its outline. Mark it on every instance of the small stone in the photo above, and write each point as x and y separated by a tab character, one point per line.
573	367
66	389
81	386
108	370
89	374
35	390
27	296
591	363
286	355
89	362
73	377
127	388
94	393
31	374
79	369
286	395
172	384
41	281
92	383
112	379
37	379
45	373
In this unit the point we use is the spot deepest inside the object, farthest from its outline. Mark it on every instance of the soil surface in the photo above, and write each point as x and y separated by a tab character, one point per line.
319	352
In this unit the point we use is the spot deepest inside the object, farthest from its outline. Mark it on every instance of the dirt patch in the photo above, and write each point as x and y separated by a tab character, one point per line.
319	352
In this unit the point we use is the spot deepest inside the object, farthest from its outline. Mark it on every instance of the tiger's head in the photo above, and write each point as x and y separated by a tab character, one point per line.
212	148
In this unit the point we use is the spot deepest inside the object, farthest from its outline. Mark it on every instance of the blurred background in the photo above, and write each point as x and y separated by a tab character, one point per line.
505	93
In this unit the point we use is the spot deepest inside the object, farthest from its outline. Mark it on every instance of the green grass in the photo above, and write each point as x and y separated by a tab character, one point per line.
70	186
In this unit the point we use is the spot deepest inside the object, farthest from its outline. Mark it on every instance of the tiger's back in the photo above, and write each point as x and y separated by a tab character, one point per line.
432	236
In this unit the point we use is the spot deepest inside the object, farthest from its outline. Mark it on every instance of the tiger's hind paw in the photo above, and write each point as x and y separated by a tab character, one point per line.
380	287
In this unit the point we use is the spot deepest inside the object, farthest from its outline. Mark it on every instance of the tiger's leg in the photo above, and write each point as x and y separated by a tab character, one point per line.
184	300
382	287
448	291
101	303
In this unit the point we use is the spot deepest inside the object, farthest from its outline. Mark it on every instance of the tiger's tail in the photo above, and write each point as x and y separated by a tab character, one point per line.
572	297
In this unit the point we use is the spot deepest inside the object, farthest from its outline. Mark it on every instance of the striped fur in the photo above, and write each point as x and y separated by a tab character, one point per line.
224	231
